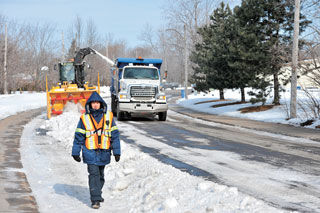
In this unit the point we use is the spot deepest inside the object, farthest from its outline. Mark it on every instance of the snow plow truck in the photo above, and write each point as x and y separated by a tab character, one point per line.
72	86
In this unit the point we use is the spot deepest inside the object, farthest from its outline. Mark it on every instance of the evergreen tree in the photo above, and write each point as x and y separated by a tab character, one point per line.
249	54
210	55
272	22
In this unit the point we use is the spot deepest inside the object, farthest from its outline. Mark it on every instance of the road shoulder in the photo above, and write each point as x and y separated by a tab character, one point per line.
15	192
276	128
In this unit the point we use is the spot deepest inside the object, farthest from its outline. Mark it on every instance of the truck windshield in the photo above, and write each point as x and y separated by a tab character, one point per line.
67	72
140	73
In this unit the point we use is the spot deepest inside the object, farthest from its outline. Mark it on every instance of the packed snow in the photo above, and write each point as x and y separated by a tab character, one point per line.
278	114
14	103
138	183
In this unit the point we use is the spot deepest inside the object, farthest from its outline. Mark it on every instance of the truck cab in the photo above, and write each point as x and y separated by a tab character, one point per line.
135	88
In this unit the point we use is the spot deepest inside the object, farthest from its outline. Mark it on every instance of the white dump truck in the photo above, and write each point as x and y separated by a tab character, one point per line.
135	88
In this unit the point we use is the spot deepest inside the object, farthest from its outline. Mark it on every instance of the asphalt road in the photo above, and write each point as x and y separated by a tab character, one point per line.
15	192
283	171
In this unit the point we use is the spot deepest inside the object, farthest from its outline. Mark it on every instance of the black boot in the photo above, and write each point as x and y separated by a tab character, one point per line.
95	204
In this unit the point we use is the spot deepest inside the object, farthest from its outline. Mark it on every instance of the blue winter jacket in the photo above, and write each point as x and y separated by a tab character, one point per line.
98	157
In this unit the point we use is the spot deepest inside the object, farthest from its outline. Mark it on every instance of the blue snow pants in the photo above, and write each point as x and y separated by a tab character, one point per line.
96	181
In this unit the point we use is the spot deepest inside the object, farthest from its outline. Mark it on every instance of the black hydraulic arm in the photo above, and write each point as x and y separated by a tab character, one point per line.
81	54
79	67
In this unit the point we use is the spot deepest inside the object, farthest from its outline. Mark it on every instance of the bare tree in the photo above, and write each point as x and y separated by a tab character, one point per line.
29	48
170	39
310	56
189	13
92	37
75	32
39	46
311	8
159	44
78	25
149	36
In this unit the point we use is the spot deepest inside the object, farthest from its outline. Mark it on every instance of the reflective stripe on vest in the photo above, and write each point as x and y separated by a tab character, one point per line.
91	134
106	136
83	131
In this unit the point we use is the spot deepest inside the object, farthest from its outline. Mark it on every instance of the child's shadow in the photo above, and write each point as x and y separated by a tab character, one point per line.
76	191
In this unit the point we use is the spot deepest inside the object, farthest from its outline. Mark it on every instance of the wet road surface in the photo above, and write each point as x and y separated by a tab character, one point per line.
280	170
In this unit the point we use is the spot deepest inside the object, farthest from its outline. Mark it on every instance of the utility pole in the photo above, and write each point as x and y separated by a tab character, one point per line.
63	58
107	55
295	52
5	85
185	63
165	67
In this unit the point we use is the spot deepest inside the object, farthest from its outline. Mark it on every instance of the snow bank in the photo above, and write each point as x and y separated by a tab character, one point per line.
61	127
105	91
277	114
15	103
138	183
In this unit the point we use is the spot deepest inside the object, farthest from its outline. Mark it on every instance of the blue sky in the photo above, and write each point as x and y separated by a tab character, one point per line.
125	19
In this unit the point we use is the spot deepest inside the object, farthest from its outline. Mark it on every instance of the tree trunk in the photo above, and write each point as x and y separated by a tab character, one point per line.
36	79
276	100
243	95
221	93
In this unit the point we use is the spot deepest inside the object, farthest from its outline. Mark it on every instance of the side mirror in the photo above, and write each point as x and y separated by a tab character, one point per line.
55	67
113	71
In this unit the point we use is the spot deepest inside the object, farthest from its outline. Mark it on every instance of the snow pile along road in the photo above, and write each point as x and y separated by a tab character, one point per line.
138	183
14	103
278	114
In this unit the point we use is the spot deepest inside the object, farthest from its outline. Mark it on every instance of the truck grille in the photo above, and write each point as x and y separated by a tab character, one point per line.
140	91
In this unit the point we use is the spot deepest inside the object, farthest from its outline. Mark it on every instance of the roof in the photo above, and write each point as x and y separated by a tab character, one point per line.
121	62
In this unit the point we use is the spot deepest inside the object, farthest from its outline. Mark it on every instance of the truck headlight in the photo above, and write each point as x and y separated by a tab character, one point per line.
162	97
122	96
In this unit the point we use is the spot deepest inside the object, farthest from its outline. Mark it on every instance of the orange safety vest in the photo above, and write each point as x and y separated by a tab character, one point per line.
98	136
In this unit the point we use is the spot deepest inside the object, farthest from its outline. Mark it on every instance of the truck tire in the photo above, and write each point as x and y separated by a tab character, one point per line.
120	115
113	105
162	116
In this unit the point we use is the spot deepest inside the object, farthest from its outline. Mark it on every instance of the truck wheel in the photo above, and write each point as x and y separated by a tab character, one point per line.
120	115
162	116
113	106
